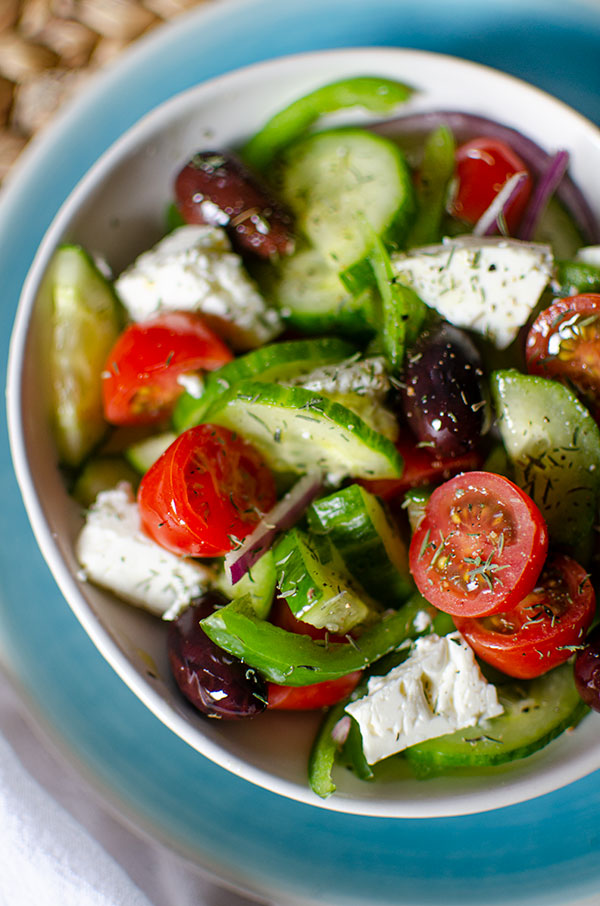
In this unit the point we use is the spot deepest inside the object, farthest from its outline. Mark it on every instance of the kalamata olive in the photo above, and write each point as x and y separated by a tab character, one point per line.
216	188
587	670
216	683
442	391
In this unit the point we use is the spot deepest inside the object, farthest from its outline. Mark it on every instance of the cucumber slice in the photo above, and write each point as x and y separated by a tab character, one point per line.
101	473
144	453
553	444
361	385
275	362
558	229
312	298
257	586
86	320
312	579
297	430
343	185
358	526
535	712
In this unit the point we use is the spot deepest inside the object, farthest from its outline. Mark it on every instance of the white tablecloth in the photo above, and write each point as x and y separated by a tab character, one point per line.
60	847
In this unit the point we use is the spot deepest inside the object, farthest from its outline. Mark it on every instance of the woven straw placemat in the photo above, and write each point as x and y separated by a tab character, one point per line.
48	48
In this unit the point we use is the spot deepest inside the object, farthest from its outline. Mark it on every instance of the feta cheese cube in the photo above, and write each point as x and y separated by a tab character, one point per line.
194	269
115	554
437	690
487	285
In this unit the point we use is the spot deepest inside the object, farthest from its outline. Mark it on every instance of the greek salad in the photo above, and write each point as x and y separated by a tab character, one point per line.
339	430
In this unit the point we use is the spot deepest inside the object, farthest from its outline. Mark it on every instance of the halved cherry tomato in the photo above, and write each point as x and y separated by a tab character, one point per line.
483	165
564	343
309	698
480	546
317	695
205	493
422	465
543	629
141	378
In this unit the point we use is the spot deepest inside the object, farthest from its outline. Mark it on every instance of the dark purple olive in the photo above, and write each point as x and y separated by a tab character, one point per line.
587	670
216	683
442	391
216	188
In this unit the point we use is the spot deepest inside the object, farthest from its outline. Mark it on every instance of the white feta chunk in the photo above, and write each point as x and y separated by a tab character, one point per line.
194	269
437	690
115	554
488	285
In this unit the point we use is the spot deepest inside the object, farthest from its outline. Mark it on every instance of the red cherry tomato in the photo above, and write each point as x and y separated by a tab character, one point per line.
564	343
542	630
309	698
480	546
422	465
483	165
205	493
140	381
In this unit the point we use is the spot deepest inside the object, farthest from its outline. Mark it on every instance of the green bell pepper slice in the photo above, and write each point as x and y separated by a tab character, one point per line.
435	174
290	659
402	311
579	276
373	93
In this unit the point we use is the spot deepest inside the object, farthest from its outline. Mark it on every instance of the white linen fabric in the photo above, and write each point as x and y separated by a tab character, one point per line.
60	847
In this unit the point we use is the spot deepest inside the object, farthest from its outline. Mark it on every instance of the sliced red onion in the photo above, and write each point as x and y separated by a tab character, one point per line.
547	185
340	731
283	516
492	218
467	125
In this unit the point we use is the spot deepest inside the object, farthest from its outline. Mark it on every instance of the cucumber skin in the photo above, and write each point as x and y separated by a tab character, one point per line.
563	707
345	518
290	402
568	508
275	362
86	319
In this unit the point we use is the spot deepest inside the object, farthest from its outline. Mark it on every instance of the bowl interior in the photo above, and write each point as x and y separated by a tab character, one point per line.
117	211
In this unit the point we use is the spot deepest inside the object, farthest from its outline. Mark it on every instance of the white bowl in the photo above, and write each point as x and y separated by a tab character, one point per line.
117	211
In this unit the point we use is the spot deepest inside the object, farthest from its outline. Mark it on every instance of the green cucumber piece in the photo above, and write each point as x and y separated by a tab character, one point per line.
86	321
557	228
274	362
312	298
374	93
343	185
370	545
297	430
144	453
535	712
362	385
553	444
312	578
257	586
101	473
